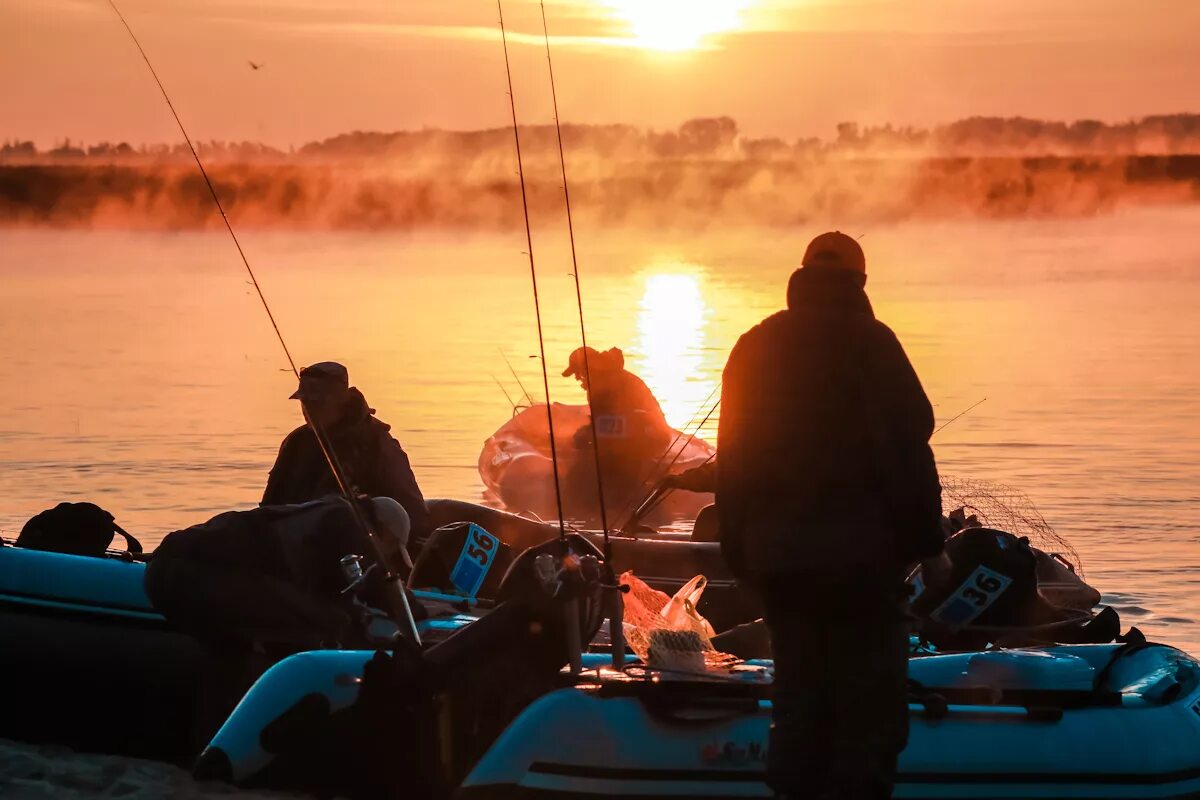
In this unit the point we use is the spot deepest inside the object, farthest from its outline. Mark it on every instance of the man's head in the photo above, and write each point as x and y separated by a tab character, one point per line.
587	359
836	252
324	390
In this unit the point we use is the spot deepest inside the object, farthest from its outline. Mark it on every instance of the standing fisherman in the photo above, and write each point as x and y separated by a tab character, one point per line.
826	489
374	461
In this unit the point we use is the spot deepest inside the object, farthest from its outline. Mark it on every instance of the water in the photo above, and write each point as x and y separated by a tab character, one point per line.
139	372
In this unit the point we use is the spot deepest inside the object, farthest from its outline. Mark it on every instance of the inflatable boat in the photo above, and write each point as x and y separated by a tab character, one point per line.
407	723
1042	591
1095	721
86	661
516	468
664	561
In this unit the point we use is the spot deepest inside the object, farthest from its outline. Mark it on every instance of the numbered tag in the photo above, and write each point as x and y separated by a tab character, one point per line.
476	558
976	594
610	426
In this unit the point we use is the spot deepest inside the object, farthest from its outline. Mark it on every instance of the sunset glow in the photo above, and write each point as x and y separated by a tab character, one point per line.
674	25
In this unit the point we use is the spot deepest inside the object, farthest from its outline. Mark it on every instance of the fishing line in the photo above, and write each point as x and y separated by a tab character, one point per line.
537	306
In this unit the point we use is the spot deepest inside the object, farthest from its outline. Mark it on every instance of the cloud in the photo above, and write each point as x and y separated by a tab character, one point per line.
462	32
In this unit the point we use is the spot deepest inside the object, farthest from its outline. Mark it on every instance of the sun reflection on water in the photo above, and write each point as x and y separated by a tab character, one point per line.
672	324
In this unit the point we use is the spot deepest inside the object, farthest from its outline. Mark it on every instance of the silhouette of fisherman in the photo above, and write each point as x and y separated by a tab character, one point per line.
630	424
826	489
374	462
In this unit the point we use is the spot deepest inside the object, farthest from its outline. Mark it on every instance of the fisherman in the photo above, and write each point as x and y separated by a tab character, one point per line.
629	422
272	575
374	462
826	489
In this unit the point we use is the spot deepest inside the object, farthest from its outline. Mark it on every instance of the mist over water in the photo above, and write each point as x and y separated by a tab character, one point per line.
703	175
139	371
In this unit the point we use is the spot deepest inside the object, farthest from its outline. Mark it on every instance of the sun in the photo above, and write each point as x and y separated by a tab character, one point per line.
675	25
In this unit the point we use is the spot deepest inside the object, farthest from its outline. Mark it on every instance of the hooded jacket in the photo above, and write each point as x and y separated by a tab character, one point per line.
825	465
374	462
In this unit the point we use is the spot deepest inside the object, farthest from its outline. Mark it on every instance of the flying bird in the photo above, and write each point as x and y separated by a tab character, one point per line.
254	66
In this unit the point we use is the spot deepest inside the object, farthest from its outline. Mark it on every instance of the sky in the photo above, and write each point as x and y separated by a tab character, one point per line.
788	68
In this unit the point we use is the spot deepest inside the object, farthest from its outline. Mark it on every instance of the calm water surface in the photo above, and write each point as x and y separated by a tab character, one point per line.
139	372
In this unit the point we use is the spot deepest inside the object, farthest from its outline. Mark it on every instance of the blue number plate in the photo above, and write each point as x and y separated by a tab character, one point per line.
977	593
475	560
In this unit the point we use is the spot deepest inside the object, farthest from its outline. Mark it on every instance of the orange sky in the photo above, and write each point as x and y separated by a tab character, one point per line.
788	67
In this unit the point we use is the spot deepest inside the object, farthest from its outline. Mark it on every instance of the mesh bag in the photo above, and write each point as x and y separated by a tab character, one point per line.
667	632
994	505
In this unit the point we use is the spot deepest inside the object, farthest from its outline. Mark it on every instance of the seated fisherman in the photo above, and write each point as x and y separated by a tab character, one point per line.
629	422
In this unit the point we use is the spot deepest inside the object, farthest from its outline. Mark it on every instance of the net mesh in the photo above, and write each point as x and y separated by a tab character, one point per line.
650	635
995	505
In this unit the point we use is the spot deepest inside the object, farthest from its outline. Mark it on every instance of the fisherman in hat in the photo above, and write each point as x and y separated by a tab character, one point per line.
630	424
826	489
374	462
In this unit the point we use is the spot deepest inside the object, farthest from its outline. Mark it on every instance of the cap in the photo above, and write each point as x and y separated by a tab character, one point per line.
580	358
835	249
589	357
325	373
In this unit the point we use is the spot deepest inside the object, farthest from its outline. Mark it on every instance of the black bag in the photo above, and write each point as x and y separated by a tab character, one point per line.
81	529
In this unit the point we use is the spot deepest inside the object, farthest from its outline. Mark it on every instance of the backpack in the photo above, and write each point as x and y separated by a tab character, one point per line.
81	529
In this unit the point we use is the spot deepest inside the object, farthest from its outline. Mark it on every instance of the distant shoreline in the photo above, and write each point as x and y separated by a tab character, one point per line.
684	192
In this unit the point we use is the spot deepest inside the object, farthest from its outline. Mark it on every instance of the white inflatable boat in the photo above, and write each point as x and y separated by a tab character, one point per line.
1081	721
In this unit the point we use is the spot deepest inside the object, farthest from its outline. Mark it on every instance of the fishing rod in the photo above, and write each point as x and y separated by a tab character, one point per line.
537	306
658	495
958	416
397	598
562	161
507	396
516	377
649	471
633	500
687	442
678	435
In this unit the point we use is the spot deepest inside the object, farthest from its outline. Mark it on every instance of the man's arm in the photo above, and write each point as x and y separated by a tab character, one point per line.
276	491
733	466
908	425
697	479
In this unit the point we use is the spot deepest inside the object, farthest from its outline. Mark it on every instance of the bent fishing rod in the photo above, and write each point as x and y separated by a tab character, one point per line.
397	598
562	161
537	305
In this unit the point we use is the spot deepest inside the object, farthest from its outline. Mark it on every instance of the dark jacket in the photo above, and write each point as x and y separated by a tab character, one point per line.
629	420
825	463
374	462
